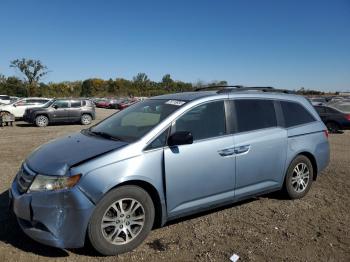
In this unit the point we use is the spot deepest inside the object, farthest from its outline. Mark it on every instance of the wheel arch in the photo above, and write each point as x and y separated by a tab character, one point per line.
154	194
312	159
42	114
86	113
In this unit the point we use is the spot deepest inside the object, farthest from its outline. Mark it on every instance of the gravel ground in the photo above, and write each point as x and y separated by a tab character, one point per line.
267	228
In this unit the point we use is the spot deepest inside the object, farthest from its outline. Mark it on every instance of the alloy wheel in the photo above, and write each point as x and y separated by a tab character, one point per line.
300	177
41	121
123	221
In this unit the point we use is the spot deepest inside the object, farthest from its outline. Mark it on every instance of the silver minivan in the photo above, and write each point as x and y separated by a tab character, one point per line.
167	157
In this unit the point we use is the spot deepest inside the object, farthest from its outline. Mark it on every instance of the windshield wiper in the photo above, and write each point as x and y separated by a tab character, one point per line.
105	135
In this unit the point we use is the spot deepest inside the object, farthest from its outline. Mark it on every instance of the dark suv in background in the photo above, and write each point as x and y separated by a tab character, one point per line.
62	111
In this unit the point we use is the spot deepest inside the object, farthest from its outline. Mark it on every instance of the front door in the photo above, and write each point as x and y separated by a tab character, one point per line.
60	111
201	174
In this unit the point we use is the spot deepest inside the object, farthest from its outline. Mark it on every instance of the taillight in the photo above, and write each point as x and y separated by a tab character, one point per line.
347	117
325	133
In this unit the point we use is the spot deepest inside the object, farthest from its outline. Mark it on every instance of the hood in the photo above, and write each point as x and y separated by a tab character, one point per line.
56	157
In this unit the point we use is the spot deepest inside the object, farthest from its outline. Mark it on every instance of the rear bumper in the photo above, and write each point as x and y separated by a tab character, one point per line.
57	219
322	156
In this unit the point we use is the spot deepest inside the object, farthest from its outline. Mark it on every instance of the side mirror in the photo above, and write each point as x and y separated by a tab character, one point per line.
14	105
180	138
55	106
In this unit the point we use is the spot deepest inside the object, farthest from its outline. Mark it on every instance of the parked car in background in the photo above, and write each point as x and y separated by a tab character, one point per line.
318	100
18	107
126	103
335	118
4	99
103	103
114	103
60	111
167	157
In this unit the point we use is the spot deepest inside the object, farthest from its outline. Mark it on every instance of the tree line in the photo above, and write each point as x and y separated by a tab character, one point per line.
34	70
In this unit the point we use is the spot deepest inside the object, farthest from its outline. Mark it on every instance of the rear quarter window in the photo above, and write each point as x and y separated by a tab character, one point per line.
295	114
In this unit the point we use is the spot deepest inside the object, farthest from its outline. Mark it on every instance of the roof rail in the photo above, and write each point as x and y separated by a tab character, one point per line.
216	87
238	88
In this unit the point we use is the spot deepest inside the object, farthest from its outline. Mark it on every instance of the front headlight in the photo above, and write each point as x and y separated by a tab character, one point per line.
51	183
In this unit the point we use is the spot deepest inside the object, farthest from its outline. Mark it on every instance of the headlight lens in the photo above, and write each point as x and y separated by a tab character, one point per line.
51	183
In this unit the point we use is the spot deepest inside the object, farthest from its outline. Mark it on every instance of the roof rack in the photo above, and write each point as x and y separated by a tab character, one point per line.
238	88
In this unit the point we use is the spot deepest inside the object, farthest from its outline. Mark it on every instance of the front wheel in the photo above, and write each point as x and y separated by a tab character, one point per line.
121	220
299	177
41	121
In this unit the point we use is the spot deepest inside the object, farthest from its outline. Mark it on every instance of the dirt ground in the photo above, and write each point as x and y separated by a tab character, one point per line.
267	228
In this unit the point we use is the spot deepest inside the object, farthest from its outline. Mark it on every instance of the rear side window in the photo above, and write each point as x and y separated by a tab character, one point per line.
295	114
61	104
253	114
75	104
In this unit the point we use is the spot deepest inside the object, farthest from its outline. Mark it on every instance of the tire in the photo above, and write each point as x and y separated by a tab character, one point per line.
107	220
86	119
333	127
293	185
41	121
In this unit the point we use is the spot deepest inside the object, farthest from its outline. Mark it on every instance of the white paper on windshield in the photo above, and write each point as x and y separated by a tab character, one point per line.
174	102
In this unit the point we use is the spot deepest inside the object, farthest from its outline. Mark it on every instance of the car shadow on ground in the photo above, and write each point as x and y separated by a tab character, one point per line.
53	124
10	232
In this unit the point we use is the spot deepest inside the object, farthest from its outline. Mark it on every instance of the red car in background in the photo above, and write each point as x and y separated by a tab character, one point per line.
126	103
103	103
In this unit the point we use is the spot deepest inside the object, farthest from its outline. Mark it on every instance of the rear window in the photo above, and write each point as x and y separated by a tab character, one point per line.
253	114
295	114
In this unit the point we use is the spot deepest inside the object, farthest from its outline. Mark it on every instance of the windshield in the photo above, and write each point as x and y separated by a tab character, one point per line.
48	103
134	122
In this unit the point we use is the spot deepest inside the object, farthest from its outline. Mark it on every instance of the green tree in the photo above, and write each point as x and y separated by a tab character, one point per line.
141	81
33	70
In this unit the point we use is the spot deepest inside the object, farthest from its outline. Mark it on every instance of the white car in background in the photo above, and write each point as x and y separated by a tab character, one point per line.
5	99
18	107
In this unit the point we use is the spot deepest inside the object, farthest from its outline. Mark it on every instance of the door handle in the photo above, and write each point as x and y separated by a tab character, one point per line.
227	151
241	149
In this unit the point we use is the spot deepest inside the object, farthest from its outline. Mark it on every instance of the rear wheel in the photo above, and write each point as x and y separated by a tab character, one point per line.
121	221
86	119
41	121
299	177
333	127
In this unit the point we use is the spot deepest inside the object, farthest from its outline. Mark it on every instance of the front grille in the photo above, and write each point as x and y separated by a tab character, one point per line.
25	178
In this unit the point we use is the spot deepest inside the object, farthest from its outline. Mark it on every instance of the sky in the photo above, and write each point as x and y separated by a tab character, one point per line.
281	43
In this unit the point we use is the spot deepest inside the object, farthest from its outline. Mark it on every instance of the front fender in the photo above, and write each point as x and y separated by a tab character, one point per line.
142	168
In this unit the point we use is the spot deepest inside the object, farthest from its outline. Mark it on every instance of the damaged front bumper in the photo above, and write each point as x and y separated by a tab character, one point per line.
57	218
